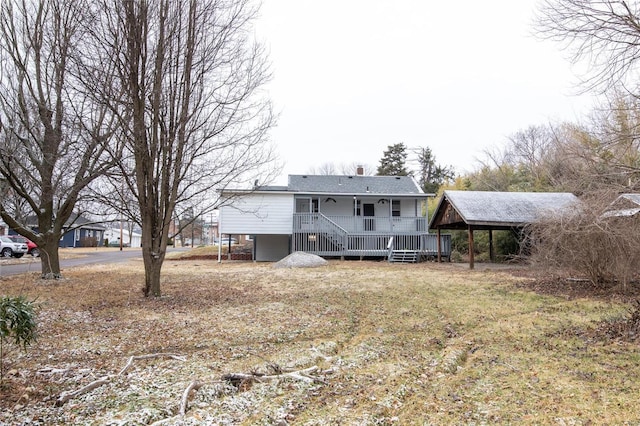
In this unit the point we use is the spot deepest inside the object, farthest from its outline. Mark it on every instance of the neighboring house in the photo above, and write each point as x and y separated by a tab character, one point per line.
77	232
82	232
112	235
333	216
210	228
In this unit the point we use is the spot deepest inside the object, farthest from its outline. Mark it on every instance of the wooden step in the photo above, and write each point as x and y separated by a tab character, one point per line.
404	256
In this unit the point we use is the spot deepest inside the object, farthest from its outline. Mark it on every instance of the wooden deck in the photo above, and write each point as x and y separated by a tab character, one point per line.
354	236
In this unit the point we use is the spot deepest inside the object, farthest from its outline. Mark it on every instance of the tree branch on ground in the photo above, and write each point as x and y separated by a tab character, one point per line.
237	379
193	386
68	395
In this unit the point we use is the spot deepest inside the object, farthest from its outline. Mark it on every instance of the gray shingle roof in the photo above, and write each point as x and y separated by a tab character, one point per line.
75	220
504	208
275	188
389	185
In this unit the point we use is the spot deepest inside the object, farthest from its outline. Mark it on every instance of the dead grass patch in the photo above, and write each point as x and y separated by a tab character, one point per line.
402	344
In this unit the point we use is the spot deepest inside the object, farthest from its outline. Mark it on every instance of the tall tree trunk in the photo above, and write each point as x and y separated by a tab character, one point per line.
152	268
50	259
153	252
190	81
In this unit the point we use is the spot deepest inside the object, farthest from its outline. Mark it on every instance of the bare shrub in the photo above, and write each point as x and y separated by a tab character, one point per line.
595	240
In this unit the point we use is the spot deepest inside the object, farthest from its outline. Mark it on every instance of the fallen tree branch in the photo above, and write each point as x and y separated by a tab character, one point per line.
51	370
149	356
321	355
193	386
238	380
66	395
302	375
164	421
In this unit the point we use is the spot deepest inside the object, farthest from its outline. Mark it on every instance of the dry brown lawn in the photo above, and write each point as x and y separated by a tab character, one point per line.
391	344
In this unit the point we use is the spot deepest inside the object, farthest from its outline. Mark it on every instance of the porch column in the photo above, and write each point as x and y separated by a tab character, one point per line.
439	247
471	250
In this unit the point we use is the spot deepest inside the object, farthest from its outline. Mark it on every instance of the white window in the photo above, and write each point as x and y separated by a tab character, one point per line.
395	208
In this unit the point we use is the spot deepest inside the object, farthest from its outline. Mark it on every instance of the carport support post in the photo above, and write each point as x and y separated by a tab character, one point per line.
471	250
492	254
439	247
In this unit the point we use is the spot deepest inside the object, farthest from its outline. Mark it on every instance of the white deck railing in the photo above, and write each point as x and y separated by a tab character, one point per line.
360	224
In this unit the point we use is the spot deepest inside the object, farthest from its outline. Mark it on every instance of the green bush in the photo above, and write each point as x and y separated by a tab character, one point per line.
17	324
507	244
456	256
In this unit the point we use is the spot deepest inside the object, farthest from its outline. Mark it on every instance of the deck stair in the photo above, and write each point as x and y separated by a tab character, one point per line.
404	256
335	241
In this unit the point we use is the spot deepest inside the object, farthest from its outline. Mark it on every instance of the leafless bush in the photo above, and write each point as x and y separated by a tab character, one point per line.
595	240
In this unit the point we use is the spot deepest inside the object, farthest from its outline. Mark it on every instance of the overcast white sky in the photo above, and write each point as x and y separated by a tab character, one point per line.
354	76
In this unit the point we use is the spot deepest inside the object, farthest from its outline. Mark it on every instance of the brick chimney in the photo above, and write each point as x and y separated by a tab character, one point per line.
360	170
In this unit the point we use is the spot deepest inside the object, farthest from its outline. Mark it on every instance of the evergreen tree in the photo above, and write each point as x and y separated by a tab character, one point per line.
432	175
393	161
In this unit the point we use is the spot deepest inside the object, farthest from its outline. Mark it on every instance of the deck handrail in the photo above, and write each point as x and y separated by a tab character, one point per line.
366	224
390	248
337	227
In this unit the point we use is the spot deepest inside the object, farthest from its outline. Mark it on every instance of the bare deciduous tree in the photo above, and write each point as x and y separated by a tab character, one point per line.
325	169
343	169
194	113
601	154
352	169
604	34
523	164
54	140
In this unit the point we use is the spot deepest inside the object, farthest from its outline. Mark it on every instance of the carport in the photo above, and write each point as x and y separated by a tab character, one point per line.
489	211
